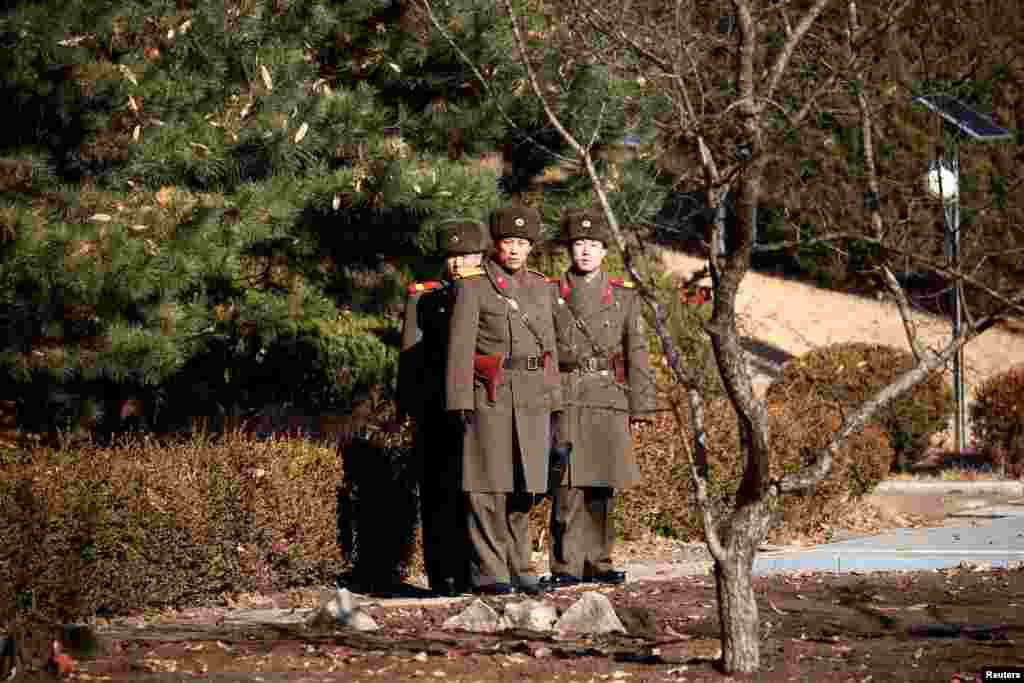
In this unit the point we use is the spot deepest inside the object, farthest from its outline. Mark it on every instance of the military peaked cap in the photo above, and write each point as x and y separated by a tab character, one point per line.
462	237
515	221
583	225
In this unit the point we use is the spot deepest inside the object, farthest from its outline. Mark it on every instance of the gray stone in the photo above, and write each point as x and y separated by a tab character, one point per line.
341	609
592	613
479	617
534	615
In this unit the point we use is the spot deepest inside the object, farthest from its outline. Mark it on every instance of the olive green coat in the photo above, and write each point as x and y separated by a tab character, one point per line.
424	351
598	409
483	322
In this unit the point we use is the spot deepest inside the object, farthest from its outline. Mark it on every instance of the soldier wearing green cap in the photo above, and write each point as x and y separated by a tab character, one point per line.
421	395
608	389
503	385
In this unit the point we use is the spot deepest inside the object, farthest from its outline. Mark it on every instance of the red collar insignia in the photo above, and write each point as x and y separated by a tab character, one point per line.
502	282
565	289
607	298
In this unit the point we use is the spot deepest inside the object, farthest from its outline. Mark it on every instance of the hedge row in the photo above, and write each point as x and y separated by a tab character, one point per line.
150	524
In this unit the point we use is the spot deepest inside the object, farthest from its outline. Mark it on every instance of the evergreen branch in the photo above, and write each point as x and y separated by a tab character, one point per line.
486	85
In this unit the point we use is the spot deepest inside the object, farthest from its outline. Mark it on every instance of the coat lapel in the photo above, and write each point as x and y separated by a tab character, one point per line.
590	298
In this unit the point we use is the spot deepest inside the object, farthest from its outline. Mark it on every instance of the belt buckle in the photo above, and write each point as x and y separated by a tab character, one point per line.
591	364
532	362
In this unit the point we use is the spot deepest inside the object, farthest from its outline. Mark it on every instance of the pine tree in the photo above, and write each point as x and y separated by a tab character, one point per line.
208	207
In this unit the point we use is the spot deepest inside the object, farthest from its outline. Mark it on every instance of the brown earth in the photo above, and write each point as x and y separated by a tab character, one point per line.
925	626
795	317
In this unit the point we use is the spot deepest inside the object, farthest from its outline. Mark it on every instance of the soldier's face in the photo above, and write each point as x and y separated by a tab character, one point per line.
460	263
587	255
511	252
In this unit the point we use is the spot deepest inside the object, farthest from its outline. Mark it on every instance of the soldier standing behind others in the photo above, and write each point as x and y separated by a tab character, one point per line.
421	387
503	384
608	388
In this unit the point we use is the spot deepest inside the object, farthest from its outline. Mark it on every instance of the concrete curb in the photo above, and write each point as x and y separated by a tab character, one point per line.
1007	488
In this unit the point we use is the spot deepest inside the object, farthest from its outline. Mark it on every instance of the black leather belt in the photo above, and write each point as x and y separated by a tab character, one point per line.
592	364
524	363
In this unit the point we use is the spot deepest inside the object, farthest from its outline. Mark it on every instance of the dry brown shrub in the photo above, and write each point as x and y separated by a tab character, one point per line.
998	416
150	524
848	374
802	423
799	423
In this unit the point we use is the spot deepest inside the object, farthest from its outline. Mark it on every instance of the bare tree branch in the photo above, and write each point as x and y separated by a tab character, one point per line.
704	505
866	129
622	37
822	88
906	314
748	45
811	475
782	59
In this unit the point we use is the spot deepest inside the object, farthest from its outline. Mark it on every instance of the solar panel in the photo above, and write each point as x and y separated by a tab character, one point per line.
969	122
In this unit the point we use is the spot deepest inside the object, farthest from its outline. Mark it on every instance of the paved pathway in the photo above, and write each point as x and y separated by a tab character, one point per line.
983	526
985	536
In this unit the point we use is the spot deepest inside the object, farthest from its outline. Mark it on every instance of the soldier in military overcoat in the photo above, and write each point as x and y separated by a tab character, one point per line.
608	389
421	386
503	383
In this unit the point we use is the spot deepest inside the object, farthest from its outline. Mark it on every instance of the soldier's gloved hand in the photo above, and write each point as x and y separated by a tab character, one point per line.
464	418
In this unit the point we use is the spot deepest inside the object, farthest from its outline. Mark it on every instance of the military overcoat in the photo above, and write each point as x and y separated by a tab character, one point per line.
484	321
597	407
424	350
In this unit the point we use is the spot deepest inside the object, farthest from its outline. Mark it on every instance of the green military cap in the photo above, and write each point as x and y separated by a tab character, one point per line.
515	221
581	224
462	237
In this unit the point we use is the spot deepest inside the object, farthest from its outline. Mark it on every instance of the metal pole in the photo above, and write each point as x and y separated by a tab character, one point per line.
952	211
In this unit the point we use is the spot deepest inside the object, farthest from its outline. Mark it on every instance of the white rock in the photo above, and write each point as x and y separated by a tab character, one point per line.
339	603
531	614
478	617
341	608
592	613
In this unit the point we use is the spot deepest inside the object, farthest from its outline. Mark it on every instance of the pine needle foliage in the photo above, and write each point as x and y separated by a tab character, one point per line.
212	206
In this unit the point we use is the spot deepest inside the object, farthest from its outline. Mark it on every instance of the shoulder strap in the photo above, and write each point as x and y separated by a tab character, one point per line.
585	331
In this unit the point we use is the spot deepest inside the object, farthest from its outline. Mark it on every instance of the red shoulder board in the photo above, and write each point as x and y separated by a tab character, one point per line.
420	287
620	282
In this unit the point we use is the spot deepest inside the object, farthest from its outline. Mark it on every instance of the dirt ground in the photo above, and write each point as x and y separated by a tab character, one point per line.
926	626
796	317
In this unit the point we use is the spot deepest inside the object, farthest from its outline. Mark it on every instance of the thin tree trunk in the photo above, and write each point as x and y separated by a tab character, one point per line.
737	608
737	613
